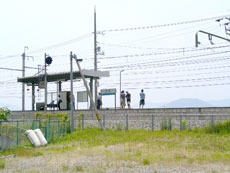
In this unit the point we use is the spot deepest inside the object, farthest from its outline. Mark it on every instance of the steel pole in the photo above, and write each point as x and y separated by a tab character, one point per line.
45	85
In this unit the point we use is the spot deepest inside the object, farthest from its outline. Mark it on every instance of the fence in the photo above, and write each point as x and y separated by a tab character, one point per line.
12	133
154	122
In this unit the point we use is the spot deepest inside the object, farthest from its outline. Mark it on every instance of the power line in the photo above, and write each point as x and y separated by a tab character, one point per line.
62	44
180	86
12	69
160	53
163	25
163	63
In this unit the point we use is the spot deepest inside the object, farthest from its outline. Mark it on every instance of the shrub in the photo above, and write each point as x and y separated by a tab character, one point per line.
2	164
183	125
219	127
80	118
166	125
4	112
48	115
146	162
119	127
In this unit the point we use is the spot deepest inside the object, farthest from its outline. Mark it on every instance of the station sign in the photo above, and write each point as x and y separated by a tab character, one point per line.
109	91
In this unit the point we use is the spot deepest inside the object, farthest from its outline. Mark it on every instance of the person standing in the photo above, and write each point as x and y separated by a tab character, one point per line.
128	99
99	101
59	101
142	99
122	99
73	102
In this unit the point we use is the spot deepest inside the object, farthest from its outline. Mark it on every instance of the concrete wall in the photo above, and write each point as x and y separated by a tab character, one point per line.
143	118
7	142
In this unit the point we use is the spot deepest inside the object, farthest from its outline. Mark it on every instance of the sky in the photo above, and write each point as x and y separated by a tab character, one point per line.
152	41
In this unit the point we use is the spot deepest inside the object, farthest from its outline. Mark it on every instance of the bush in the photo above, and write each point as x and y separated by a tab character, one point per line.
2	164
61	116
166	125
183	125
219	127
4	112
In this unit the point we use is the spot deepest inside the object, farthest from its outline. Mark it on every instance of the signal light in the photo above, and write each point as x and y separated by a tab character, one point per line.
49	60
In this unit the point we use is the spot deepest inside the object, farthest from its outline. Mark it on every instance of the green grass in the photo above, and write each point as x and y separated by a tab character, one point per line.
2	164
137	146
147	146
79	168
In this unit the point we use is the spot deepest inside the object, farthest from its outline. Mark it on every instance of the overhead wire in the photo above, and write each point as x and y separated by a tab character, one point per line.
61	44
163	25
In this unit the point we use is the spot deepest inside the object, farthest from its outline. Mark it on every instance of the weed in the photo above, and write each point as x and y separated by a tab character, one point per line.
218	127
79	168
131	165
80	119
65	168
37	153
166	125
146	162
119	127
138	153
2	164
183	124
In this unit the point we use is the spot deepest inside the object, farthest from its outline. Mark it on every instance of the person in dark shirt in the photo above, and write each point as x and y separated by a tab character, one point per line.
99	101
128	99
59	102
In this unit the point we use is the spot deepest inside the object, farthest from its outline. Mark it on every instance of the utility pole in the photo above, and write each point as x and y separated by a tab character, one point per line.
95	53
45	85
88	91
23	75
71	86
120	86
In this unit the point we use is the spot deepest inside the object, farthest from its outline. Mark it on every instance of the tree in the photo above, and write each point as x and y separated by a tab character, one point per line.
4	112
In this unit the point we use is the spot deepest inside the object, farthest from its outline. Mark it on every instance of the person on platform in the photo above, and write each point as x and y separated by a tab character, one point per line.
99	101
142	99
59	101
128	99
122	96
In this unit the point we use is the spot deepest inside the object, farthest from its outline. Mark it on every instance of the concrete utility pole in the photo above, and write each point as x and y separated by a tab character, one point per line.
71	86
23	75
95	53
89	93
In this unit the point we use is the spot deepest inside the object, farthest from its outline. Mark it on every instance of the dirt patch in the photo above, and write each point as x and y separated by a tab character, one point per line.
100	159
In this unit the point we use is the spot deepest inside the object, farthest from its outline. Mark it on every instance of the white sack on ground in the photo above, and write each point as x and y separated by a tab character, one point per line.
33	138
40	136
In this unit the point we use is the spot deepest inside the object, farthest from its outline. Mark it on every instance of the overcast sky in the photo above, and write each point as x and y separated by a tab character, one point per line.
161	60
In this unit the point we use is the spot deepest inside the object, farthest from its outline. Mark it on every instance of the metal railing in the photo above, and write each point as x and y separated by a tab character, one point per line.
157	122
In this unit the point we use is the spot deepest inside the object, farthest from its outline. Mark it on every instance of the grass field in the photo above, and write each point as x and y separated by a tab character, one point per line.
93	150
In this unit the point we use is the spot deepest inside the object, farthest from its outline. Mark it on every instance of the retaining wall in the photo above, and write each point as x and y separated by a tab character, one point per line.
142	118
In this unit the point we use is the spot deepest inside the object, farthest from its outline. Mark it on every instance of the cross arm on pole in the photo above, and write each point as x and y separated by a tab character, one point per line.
210	35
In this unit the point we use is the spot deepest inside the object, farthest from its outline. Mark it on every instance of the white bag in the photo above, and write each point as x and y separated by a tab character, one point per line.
40	136
31	135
